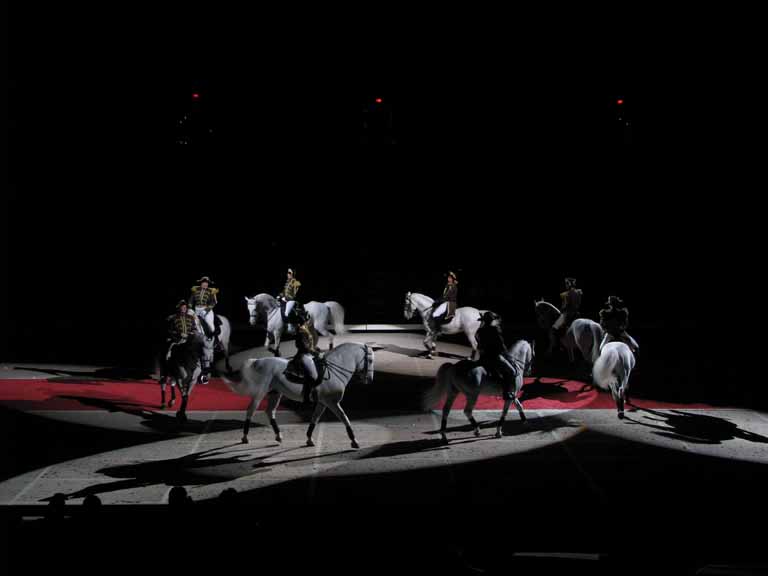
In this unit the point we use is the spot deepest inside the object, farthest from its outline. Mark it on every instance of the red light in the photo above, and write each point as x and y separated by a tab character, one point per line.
379	100
619	101
195	96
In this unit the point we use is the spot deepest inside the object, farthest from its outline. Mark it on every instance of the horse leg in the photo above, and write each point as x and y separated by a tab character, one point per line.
273	401
428	344
226	358
319	409
276	351
248	416
500	425
341	415
173	394
162	392
471	401
473	343
181	413
446	412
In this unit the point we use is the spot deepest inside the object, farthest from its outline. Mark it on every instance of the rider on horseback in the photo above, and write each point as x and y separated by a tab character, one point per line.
571	302
493	354
302	367
181	325
287	296
203	299
614	319
449	298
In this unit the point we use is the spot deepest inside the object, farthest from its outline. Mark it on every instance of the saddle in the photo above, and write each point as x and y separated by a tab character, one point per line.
295	372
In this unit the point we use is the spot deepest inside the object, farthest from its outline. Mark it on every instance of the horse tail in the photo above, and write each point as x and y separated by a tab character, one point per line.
337	317
597	338
604	370
443	383
252	380
235	380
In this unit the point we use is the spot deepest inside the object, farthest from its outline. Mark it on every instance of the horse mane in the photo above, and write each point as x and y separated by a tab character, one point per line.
545	304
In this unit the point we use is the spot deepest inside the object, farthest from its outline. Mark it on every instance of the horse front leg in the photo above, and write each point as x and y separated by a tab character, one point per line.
429	344
181	413
276	351
341	415
248	417
162	392
319	409
273	402
452	393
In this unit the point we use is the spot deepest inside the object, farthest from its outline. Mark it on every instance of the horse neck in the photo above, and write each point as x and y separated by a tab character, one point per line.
266	300
421	302
340	357
519	352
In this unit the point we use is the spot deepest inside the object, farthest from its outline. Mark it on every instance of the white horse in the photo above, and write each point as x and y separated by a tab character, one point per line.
472	379
259	377
466	319
327	319
583	334
209	343
611	372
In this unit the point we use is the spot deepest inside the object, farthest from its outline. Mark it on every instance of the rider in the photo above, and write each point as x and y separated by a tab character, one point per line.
450	297
288	295
181	325
203	299
571	302
614	319
493	354
303	364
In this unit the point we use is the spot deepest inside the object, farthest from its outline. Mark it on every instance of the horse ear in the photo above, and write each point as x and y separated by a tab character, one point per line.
246	299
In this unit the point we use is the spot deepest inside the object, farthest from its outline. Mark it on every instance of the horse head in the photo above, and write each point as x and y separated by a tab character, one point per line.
253	310
408	309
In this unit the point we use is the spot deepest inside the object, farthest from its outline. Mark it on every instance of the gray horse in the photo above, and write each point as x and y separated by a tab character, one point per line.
265	376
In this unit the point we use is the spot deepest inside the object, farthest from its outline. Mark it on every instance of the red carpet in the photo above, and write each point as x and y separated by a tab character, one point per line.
76	394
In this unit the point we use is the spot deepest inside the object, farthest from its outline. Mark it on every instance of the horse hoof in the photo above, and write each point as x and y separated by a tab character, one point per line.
309	442
621	415
244	440
477	432
444	439
355	444
162	406
279	439
498	434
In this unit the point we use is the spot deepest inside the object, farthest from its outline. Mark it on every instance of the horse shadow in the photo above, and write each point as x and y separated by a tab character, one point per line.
207	467
157	421
695	428
93	377
539	389
512	427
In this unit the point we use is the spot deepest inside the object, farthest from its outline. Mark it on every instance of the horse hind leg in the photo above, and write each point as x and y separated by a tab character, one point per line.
274	400
446	412
248	417
500	425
